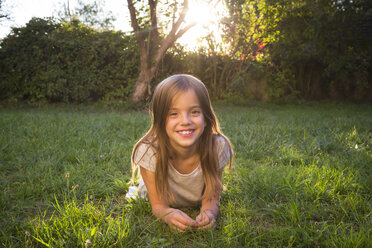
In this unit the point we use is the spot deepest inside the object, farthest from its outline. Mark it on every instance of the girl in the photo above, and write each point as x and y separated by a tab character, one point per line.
182	156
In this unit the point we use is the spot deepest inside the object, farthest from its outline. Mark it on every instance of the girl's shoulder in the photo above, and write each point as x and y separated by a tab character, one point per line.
144	155
221	142
143	148
223	149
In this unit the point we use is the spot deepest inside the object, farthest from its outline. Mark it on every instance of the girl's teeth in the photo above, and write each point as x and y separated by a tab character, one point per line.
185	132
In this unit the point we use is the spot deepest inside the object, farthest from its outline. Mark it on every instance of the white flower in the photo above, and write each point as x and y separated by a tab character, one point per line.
87	243
132	193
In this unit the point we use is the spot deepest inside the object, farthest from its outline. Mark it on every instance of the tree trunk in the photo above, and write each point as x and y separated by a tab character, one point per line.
142	86
151	50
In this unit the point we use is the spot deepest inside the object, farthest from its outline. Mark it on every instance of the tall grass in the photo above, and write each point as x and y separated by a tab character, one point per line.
301	178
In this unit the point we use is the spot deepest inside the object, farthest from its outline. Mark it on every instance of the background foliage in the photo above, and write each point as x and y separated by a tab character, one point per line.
273	51
310	49
69	62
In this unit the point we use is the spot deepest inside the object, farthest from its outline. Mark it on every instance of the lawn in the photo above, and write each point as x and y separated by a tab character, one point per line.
302	177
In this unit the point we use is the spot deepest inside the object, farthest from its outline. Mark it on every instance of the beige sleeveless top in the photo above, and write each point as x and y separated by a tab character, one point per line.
187	189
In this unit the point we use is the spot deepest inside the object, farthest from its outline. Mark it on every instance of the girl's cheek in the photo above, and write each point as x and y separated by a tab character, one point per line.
172	121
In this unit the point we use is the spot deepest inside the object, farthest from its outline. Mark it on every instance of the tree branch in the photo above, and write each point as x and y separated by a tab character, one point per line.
174	34
137	32
154	34
184	30
180	20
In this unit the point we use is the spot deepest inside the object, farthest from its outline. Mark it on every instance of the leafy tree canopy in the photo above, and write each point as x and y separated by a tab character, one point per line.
90	14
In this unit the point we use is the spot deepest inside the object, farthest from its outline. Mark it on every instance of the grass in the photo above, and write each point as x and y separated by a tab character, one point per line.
301	178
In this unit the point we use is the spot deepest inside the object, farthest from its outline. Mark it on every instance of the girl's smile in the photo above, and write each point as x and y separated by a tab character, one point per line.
186	133
185	122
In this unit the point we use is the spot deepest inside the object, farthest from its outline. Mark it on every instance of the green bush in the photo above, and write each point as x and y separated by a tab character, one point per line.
53	62
310	50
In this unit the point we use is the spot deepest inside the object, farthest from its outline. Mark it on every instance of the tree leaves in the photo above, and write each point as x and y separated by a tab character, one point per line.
48	61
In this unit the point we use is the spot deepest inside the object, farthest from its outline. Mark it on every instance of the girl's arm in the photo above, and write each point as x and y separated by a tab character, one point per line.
160	208
209	211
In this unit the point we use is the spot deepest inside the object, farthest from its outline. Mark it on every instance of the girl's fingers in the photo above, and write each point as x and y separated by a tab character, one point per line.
201	217
181	221
210	225
187	220
178	226
198	219
207	224
207	217
206	220
202	220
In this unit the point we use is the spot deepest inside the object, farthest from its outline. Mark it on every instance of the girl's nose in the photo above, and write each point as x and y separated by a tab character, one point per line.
185	119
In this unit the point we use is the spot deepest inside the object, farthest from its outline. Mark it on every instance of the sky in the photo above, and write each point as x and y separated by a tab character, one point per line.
21	12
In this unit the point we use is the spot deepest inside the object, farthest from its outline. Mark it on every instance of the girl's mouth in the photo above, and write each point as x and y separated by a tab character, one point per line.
186	133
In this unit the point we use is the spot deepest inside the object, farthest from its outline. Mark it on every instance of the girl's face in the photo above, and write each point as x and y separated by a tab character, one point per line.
185	121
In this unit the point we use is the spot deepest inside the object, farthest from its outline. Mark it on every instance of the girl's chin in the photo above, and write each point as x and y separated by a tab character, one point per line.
184	144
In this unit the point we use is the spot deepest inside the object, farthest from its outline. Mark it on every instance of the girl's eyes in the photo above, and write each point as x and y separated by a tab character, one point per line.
195	112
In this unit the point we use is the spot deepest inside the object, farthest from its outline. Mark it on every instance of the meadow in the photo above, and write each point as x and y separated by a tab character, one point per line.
302	177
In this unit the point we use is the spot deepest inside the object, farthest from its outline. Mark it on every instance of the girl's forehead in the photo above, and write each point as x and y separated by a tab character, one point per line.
184	98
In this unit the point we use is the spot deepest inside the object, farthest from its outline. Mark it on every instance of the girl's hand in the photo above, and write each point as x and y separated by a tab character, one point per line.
178	220
206	219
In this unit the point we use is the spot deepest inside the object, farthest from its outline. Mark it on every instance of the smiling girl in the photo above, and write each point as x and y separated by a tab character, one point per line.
182	156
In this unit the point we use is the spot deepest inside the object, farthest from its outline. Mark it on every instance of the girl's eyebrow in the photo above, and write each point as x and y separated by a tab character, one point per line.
195	106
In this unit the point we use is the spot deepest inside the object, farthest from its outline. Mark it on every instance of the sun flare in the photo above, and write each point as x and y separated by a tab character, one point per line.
206	15
201	12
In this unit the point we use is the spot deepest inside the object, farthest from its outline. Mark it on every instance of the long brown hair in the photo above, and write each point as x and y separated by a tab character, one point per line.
157	137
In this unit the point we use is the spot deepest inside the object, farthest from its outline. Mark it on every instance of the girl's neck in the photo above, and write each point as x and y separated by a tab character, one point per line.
185	162
184	154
